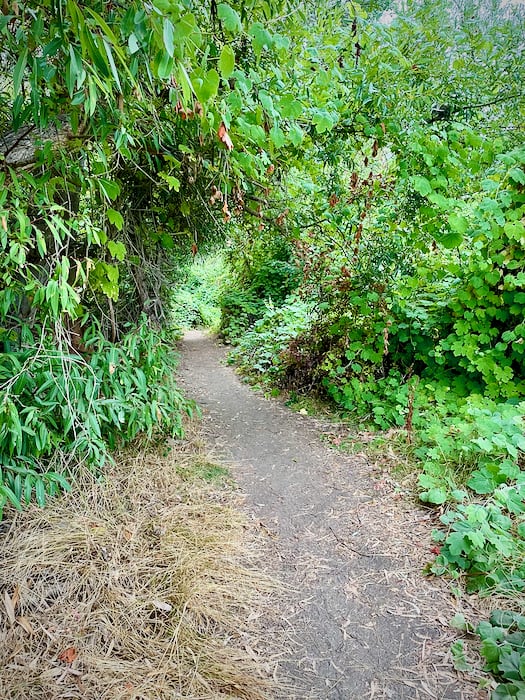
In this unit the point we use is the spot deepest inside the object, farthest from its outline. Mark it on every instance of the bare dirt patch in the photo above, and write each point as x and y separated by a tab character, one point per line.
362	622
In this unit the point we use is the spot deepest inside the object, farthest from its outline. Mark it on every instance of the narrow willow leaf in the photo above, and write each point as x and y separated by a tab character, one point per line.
18	73
186	84
112	65
167	35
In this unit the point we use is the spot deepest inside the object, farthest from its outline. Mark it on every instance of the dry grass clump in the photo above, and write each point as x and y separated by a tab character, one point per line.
133	587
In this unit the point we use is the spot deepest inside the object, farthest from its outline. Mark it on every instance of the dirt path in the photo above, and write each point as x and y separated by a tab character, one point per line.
362	623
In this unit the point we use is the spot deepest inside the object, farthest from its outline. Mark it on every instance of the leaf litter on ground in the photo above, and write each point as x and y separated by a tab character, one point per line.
143	583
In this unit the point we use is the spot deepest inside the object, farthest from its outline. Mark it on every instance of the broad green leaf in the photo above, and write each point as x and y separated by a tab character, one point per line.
226	61
481	483
456	543
261	38
323	121
449	240
518	175
133	44
509	691
206	88
117	250
167	241
173	182
434	495
295	134
459	660
109	189
277	136
459	622
458	223
421	185
116	218
290	107
229	17
509	665
514	229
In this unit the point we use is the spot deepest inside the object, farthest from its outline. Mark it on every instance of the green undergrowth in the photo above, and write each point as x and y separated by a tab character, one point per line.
206	471
60	410
194	300
500	642
463	438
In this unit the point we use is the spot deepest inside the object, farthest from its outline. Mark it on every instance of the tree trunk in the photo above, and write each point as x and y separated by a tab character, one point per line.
18	149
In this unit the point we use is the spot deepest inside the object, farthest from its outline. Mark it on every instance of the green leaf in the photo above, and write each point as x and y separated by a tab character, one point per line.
261	38
421	185
459	659
476	538
518	175
173	182
514	229
40	243
207	87
458	223
226	61
509	665
40	492
481	482
507	618
116	218
296	134
167	36
185	82
229	17
117	250
18	73
133	44
112	65
509	691
323	121
164	66
167	241
491	651
109	189
449	240
434	495
459	622
277	136
10	496
289	107
456	543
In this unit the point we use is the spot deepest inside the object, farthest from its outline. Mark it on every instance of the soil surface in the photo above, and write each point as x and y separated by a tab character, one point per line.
361	621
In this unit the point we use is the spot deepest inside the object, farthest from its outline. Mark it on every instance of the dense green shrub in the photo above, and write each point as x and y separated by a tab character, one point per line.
261	351
194	300
265	279
58	410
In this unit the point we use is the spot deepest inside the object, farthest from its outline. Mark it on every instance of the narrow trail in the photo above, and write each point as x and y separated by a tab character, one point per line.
362	622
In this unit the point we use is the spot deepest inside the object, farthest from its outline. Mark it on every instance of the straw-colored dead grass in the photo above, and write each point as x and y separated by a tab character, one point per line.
137	586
